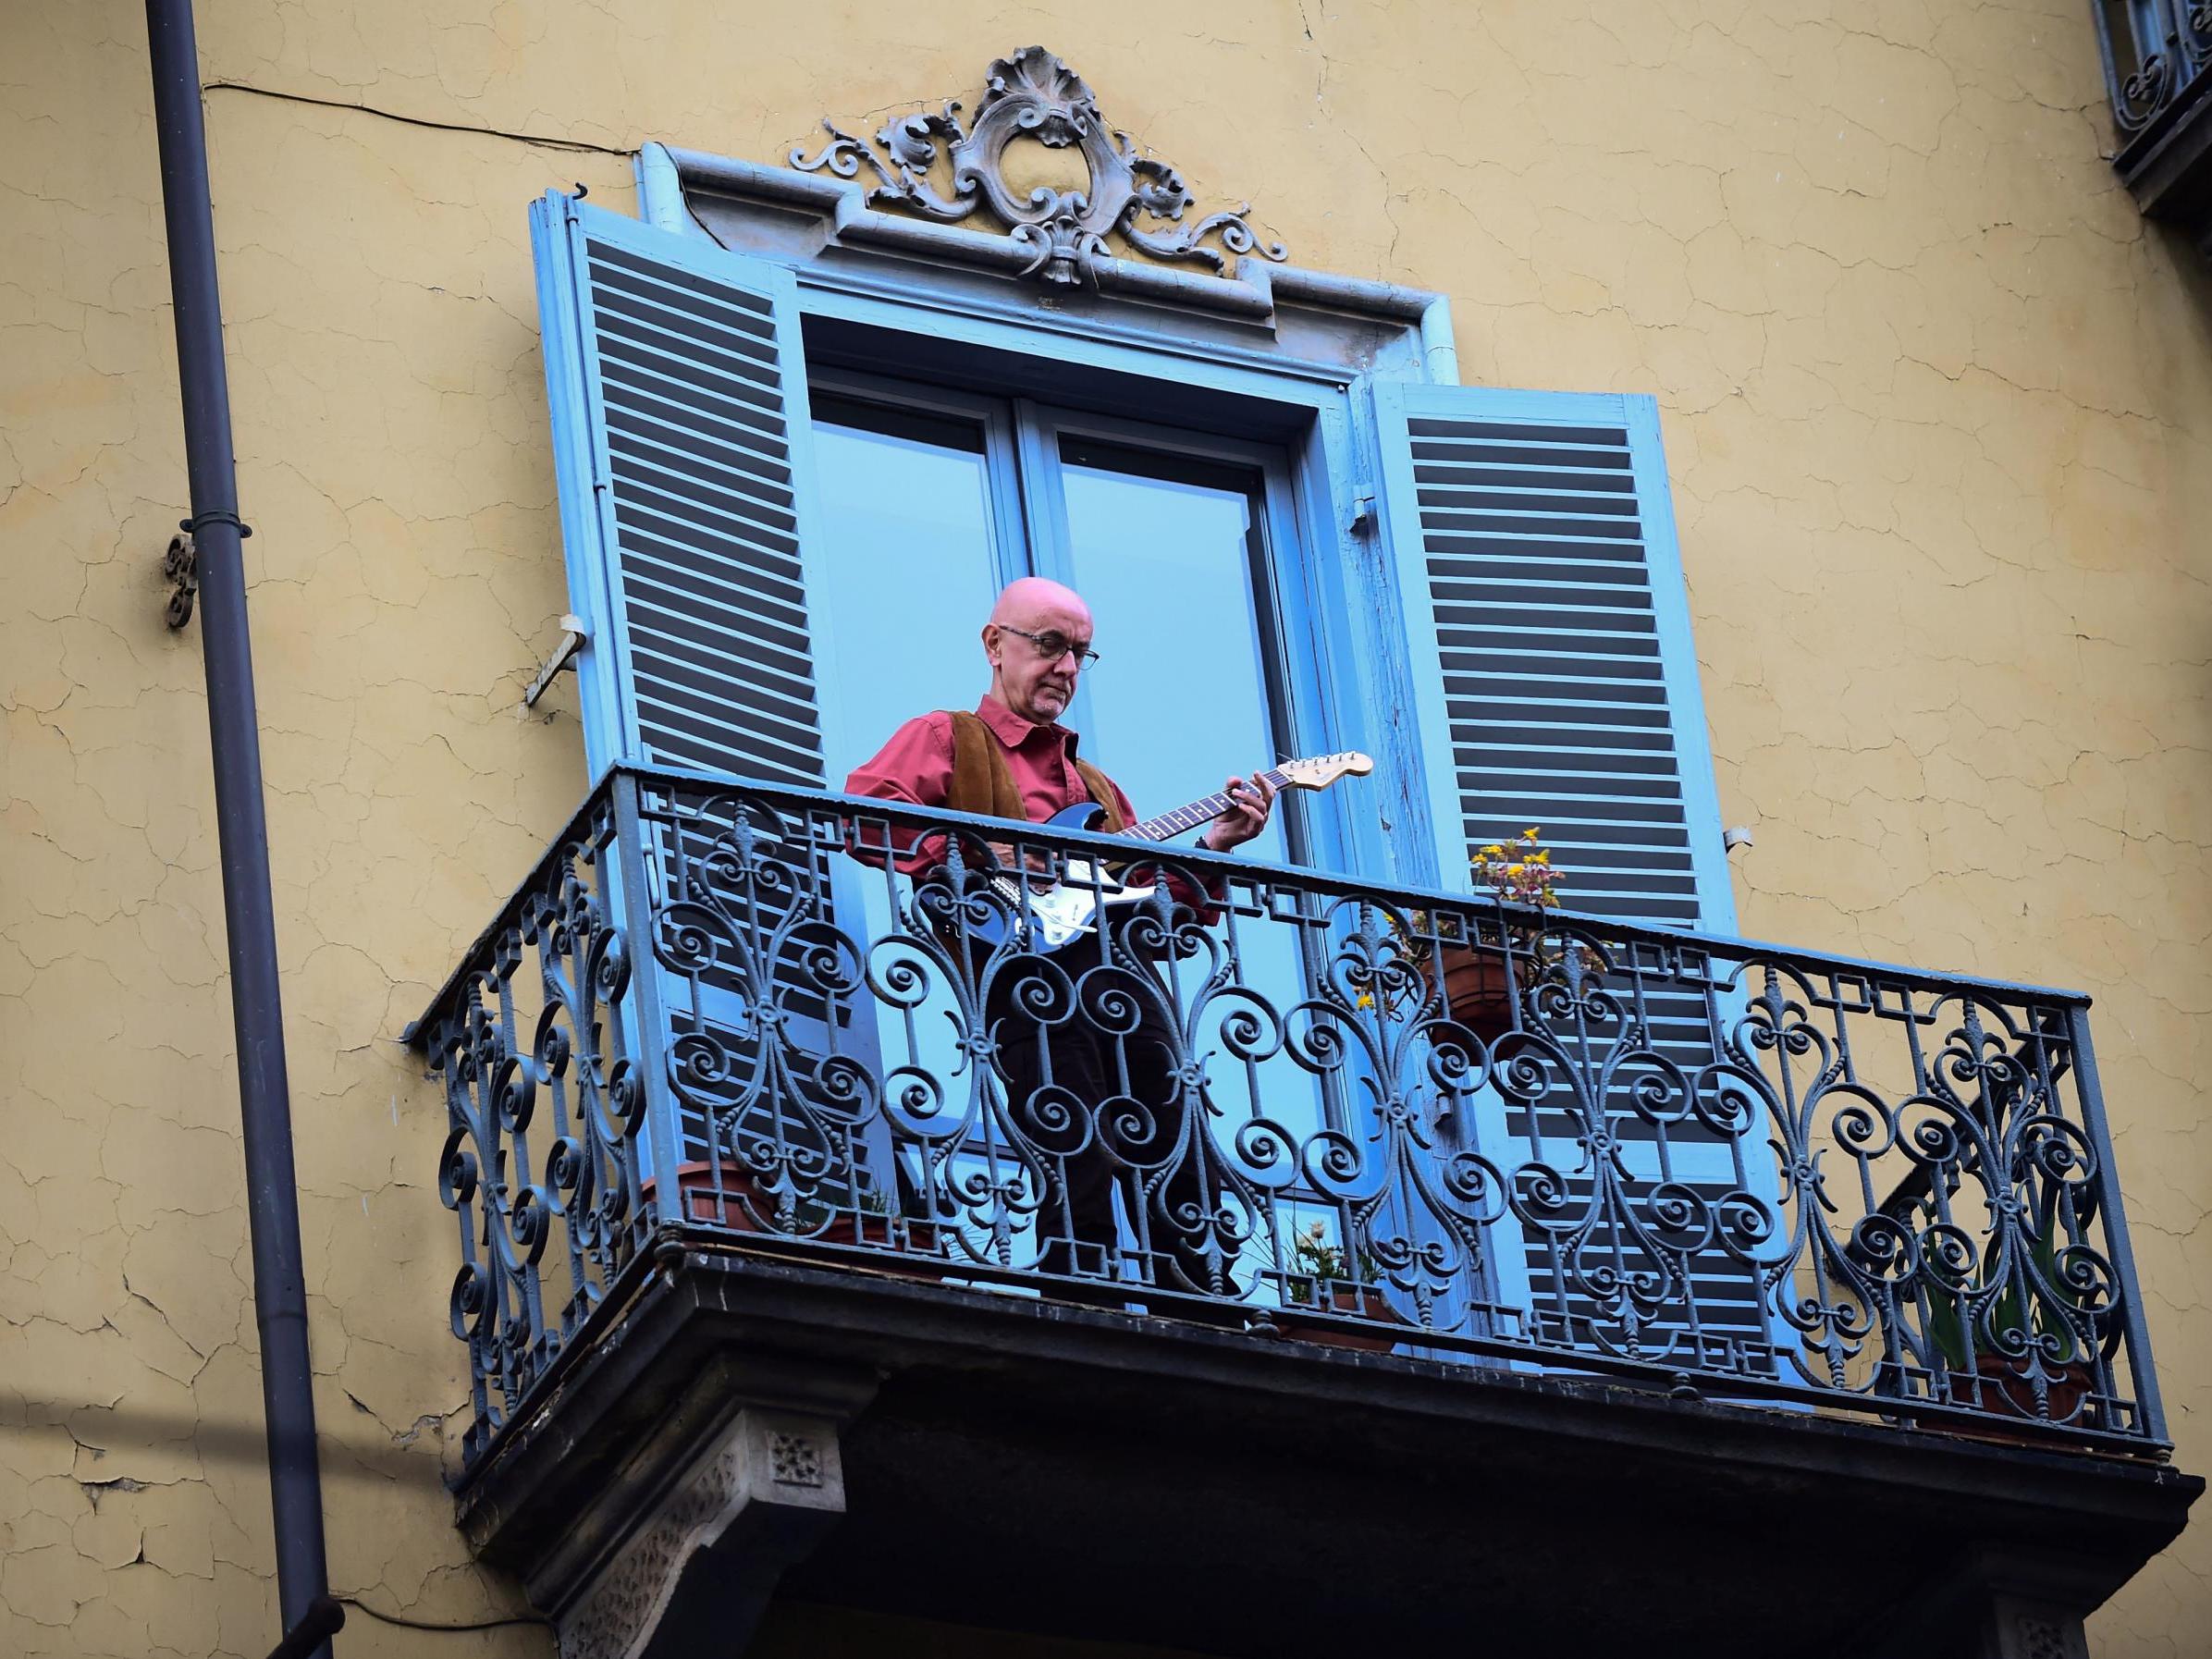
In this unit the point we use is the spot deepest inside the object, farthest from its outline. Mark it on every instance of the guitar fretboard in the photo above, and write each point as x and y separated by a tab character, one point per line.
1192	816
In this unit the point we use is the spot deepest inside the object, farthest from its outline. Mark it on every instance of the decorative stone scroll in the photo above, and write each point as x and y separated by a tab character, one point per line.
1033	95
710	1550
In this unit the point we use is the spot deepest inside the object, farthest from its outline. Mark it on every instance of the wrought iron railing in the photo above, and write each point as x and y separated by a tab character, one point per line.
2155	54
1318	1109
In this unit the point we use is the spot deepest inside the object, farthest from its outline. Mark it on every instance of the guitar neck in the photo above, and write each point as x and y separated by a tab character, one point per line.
1190	818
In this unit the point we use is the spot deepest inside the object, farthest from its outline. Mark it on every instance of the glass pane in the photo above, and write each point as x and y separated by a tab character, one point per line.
906	515
912	571
1165	554
1170	557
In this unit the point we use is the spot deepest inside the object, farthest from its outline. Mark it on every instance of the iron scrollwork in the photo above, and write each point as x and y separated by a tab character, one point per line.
532	1044
2153	58
1261	1100
1033	95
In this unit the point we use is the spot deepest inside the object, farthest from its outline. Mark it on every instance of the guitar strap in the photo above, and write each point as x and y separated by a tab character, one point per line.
983	782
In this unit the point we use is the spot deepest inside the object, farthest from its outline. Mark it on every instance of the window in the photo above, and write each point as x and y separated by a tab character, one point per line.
931	500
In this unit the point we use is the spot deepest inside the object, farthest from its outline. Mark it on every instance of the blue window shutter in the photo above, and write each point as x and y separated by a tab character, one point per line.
1555	683
678	391
677	387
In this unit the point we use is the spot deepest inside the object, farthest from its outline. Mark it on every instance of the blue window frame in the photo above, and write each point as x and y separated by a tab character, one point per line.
921	525
1186	544
649	688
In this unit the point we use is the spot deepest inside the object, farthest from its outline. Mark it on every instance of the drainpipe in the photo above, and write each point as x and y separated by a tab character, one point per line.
272	1205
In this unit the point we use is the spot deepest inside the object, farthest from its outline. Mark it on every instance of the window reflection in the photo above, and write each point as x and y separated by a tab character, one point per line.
1167	554
1170	555
906	515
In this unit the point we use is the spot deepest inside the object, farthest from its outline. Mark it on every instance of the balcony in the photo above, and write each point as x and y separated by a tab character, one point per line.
2157	56
1482	1261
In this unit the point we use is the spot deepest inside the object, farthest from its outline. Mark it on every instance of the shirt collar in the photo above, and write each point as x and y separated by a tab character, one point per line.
1012	729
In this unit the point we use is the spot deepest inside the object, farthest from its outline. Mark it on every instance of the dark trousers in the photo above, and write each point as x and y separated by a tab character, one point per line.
1089	1060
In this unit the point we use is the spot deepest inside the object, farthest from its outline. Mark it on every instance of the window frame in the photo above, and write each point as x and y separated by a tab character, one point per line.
1313	416
1000	440
1021	445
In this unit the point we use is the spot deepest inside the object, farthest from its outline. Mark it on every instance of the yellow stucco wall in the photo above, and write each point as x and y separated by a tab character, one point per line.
1939	416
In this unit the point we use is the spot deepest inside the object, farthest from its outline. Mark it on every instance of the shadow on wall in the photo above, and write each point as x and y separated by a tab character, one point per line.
2192	260
412	1456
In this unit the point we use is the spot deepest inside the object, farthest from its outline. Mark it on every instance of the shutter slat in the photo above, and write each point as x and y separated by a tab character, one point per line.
693	372
1527	546
739	408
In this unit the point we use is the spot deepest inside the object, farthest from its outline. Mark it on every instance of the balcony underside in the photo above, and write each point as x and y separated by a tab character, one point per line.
1024	1465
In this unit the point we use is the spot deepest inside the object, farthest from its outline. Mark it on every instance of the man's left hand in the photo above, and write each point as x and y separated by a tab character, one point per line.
1250	799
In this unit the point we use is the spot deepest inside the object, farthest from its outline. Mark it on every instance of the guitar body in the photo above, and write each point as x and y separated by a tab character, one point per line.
1083	815
1052	915
1044	916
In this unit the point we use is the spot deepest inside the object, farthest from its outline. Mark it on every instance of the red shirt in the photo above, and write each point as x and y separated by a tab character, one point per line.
916	766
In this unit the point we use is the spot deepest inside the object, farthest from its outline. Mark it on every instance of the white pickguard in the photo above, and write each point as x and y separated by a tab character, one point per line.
1056	916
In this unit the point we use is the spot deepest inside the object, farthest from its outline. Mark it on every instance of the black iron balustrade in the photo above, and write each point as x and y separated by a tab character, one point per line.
2155	52
2157	58
1354	1115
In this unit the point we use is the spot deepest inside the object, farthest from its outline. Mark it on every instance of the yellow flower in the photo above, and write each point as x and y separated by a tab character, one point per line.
1531	832
1514	869
1542	857
1365	1001
1494	851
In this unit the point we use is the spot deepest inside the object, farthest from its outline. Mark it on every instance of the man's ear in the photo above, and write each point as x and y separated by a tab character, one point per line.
991	646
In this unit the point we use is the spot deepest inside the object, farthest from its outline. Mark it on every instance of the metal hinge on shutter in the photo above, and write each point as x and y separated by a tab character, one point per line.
1362	519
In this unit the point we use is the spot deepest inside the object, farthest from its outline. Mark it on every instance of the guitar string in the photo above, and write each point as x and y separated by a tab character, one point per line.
1202	811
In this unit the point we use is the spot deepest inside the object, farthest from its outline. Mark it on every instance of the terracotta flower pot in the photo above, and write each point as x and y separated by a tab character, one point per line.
1358	1301
2007	1401
918	1241
735	1204
703	1201
2001	1382
1476	992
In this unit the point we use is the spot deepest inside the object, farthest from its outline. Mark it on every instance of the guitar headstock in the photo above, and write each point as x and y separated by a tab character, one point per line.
1319	772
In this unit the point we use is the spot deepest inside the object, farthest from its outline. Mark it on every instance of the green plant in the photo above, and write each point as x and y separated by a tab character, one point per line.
1317	1260
2044	1313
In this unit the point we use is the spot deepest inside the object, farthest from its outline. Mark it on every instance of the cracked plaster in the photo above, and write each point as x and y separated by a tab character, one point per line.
1938	411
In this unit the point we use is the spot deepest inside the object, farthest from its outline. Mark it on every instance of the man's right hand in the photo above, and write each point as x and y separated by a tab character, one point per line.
1038	861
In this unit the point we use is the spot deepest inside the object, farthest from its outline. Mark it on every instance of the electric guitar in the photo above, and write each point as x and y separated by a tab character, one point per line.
1048	914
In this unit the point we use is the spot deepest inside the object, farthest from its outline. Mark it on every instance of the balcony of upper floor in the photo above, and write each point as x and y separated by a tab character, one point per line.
2157	58
1309	1260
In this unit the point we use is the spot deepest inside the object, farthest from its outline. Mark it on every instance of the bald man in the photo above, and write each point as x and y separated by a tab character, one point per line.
1012	746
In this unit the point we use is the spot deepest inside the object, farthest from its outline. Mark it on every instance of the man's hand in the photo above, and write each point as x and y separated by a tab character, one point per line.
1250	799
1038	859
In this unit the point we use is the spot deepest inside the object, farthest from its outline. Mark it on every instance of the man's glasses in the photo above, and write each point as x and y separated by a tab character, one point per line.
1054	646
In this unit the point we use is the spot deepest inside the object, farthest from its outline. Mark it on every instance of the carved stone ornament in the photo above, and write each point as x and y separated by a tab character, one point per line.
629	1597
1033	95
726	1530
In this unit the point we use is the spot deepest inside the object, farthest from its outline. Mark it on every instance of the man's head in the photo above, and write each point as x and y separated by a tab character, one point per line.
1033	685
